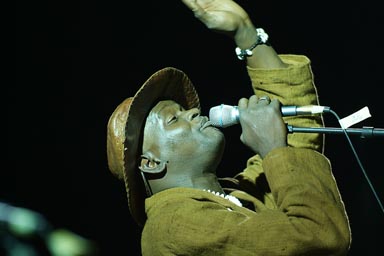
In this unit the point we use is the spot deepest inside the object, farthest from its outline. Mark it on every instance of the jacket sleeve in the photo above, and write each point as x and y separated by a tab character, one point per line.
293	85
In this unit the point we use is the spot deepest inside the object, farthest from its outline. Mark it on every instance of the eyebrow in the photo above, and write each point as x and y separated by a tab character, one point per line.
162	107
173	105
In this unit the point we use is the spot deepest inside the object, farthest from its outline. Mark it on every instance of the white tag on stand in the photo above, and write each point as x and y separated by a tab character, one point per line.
355	118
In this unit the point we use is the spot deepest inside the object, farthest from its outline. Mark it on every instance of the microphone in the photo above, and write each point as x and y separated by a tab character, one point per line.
225	115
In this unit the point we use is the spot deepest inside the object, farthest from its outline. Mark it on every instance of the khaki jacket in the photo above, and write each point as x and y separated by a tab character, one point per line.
290	201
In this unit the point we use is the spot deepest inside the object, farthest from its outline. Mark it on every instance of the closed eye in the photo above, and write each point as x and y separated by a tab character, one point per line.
172	119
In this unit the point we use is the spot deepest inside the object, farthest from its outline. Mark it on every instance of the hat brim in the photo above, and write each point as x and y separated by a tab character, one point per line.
168	83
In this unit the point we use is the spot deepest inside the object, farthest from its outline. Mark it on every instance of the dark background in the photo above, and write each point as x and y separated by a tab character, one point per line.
83	58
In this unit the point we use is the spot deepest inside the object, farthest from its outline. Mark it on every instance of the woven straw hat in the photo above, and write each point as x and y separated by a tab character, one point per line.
126	124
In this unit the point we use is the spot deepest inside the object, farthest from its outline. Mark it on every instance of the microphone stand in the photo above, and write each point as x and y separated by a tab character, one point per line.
365	132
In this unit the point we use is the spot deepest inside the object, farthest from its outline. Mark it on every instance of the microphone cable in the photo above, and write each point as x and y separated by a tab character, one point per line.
359	162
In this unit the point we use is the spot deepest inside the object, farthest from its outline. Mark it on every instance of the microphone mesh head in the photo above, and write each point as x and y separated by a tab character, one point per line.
224	115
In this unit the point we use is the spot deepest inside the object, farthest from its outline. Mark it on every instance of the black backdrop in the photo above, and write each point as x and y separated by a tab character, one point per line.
83	58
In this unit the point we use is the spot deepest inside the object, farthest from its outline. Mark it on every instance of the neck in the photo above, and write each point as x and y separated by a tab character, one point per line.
207	181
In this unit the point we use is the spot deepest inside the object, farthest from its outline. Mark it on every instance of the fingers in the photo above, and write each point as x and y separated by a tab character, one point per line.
191	4
275	103
201	13
194	7
243	103
253	100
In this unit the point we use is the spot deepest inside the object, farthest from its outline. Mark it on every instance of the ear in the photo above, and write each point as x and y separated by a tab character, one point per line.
149	165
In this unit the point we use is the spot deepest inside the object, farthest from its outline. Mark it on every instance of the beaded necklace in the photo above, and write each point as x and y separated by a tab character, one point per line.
228	197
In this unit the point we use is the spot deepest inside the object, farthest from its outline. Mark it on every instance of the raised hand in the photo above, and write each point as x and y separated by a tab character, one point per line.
225	16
